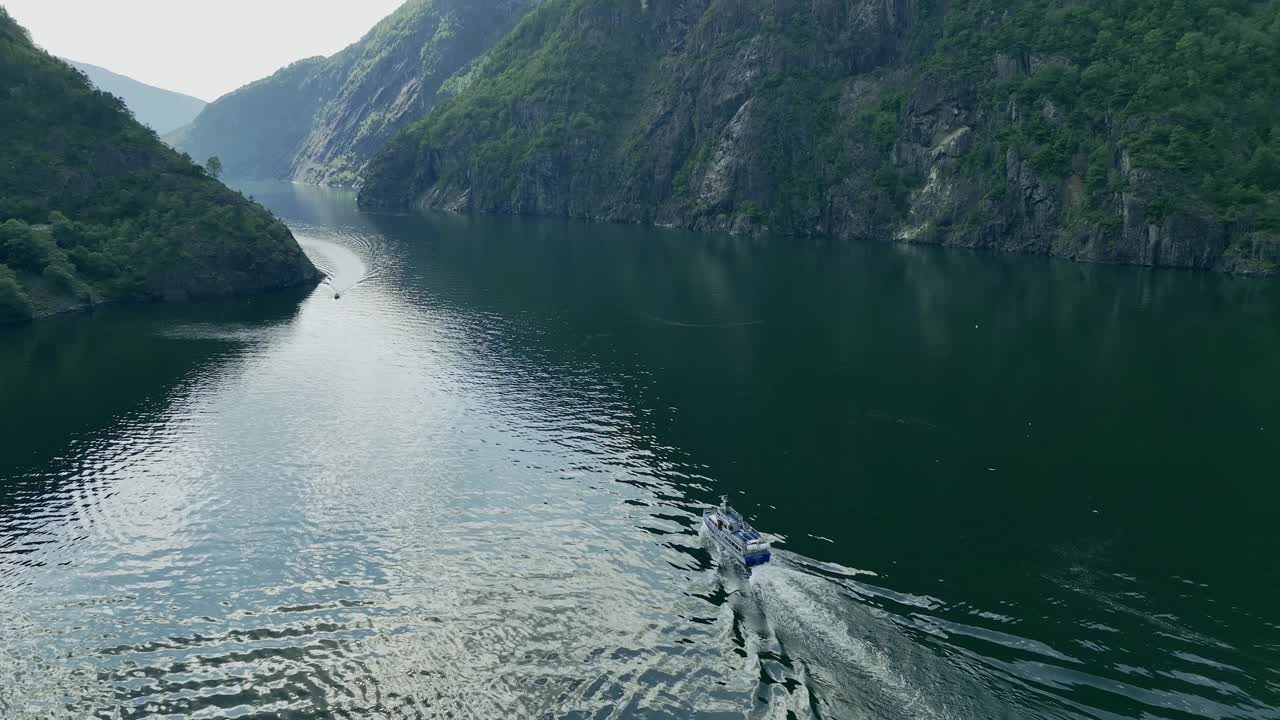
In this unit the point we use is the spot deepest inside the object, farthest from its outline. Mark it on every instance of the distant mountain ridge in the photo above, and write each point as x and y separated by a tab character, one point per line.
320	120
161	110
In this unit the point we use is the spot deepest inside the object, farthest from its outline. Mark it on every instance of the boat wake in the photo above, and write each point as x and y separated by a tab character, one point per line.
856	650
347	259
855	661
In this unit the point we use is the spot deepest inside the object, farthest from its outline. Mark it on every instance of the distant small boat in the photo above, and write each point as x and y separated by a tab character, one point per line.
735	535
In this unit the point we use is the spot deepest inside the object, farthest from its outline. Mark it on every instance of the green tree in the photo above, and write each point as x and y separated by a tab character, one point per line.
14	303
214	166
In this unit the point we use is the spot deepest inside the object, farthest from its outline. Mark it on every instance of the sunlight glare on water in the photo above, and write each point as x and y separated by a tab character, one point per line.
472	489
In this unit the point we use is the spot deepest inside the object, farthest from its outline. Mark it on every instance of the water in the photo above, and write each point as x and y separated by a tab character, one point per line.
1003	487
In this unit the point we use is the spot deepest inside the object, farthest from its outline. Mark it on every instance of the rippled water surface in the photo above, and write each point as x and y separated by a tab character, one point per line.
469	488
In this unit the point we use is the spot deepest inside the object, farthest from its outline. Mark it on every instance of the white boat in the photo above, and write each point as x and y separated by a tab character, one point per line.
735	535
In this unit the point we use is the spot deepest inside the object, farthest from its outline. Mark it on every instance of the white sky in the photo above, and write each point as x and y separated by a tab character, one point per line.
204	48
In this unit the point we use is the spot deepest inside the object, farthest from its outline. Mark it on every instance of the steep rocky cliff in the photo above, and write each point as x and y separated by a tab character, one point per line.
94	208
1138	132
320	120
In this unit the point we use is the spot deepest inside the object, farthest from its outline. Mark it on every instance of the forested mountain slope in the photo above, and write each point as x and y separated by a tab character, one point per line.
94	208
1135	131
320	120
160	110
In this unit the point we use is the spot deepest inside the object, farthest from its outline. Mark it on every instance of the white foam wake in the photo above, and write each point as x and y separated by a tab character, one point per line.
342	266
865	666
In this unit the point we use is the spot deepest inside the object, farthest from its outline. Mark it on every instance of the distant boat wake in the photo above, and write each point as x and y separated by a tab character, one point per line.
680	324
344	268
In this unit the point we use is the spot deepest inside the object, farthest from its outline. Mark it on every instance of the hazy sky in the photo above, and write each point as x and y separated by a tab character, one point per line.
204	48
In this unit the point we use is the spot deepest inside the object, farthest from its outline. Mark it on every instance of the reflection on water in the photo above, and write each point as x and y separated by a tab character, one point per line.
470	488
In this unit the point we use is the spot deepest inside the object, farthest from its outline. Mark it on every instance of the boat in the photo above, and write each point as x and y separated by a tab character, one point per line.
735	535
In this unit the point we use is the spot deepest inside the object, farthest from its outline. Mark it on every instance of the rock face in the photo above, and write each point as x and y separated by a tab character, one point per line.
961	122
320	120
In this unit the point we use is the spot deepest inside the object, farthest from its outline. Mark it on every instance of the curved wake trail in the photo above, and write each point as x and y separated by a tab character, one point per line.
344	268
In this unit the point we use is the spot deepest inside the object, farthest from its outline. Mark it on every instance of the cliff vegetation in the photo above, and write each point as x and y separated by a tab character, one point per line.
1138	131
94	208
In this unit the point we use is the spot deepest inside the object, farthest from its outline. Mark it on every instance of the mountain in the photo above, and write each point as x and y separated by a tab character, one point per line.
94	208
320	120
161	110
1141	131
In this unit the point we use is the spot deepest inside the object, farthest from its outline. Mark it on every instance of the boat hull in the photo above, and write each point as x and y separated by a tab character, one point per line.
725	542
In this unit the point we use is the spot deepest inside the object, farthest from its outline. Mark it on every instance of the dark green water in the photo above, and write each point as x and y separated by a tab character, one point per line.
1003	487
